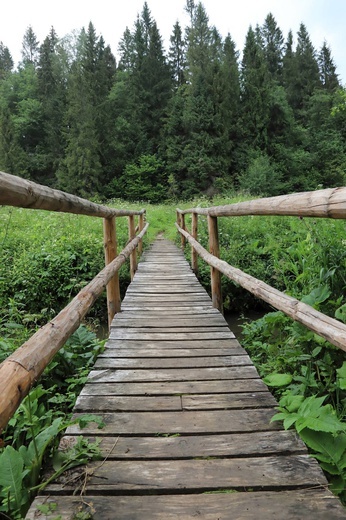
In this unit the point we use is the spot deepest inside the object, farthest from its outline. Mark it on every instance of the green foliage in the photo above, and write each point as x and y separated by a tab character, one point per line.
322	431
144	180
32	435
261	178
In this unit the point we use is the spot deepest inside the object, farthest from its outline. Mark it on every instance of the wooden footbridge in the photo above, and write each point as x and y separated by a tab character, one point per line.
188	431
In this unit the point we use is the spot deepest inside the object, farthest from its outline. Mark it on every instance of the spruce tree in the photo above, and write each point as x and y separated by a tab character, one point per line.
273	42
328	76
306	78
6	61
30	48
255	86
177	56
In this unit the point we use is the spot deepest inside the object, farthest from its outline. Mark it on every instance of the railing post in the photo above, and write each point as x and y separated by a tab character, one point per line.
133	256
140	227
183	239
194	232
110	247
214	273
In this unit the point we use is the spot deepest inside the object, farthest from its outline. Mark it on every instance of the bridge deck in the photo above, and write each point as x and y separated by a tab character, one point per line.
188	432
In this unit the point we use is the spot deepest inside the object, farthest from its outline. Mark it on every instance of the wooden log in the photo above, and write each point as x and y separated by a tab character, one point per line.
113	287
140	227
183	240
20	370
194	233
215	276
18	192
330	203
133	255
330	329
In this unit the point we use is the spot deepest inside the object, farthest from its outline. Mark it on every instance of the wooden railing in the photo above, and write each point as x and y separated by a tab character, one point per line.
330	203
23	368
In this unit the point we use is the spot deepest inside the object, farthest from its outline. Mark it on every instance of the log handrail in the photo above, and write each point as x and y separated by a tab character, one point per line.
330	203
23	368
21	193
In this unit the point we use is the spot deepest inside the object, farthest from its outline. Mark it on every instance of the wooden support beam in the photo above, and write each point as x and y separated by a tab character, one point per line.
133	256
183	239
113	287
140	227
215	275
194	233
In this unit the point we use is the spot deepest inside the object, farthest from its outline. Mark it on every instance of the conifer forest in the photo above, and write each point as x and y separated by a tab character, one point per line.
200	117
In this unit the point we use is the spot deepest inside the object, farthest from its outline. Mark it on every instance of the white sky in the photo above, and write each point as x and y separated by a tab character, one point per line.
325	19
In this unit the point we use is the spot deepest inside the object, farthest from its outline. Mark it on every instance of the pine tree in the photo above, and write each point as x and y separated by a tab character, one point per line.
306	78
255	86
6	61
81	171
327	68
126	50
30	48
177	56
52	94
273	47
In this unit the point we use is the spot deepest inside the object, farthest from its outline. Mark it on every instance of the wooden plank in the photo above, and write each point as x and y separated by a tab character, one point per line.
116	351
164	403
189	312
227	401
171	374
263	473
175	388
176	301
213	344
180	362
167	334
170	322
210	421
192	446
126	403
318	504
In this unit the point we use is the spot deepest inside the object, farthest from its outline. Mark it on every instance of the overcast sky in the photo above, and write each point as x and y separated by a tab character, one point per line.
325	19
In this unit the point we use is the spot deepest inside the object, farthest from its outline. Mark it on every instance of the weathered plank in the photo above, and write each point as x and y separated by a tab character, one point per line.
128	403
179	362
163	403
263	473
318	504
166	334
215	421
170	322
174	387
212	344
192	446
171	374
113	350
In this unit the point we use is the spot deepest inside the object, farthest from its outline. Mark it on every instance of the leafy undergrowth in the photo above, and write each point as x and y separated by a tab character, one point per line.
31	438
